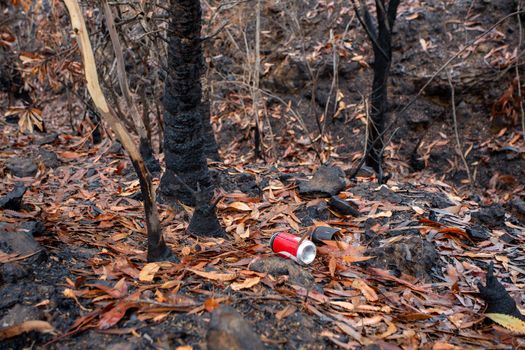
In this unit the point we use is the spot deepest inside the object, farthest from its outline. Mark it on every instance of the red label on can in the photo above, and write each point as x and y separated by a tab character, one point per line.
285	244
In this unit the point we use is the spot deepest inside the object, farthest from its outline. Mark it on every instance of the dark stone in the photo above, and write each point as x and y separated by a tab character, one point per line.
307	214
508	238
386	193
496	296
343	207
231	182
278	266
286	177
50	159
35	228
21	167
10	293
518	208
48	139
91	172
229	331
439	201
13	272
116	148
13	200
326	182
22	243
412	256
477	232
492	216
416	118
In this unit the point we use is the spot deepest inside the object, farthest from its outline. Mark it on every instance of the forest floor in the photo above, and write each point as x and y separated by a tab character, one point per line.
404	273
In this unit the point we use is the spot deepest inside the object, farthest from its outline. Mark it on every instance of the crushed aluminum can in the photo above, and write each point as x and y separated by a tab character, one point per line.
287	245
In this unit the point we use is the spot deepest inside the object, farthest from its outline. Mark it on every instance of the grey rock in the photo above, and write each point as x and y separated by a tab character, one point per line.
477	232
310	213
22	243
12	272
278	266
48	139
13	200
229	331
49	158
326	182
21	313
21	167
412	256
492	216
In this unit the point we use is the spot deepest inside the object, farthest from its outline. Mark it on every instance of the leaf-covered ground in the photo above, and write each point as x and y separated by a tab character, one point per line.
404	273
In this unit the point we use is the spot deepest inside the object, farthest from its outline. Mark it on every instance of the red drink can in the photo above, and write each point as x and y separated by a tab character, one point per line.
287	245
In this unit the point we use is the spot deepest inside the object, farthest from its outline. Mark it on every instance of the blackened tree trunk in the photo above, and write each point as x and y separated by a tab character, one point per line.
183	141
381	38
187	178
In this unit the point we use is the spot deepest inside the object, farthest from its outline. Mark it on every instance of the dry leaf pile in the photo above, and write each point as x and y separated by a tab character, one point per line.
89	203
402	275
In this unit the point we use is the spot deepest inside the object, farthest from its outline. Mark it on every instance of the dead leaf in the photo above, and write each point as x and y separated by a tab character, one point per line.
24	327
211	304
69	293
332	265
247	283
344	304
240	206
148	272
216	276
72	155
367	291
287	311
114	315
510	322
351	259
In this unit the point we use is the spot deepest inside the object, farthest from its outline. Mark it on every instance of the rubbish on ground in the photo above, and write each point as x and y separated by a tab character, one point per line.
324	233
290	246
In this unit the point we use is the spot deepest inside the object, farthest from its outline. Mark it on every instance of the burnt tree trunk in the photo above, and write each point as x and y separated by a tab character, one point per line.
381	38
183	141
187	178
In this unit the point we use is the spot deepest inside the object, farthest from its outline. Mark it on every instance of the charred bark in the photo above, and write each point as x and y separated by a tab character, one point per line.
186	125
146	151
381	38
157	248
183	134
